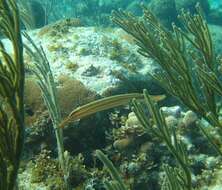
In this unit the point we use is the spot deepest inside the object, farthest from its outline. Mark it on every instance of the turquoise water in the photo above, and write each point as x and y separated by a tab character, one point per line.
77	54
97	12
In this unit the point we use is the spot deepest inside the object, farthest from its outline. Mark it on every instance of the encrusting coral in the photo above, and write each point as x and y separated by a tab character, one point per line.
45	169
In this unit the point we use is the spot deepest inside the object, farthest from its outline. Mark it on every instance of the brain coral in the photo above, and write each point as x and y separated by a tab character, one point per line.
72	93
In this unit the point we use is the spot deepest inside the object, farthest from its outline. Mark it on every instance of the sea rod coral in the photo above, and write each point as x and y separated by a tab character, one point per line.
11	96
186	57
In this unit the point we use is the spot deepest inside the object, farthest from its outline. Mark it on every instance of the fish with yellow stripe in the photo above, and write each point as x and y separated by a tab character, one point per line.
104	104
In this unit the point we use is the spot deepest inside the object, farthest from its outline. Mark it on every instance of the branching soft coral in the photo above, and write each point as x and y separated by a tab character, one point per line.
11	96
187	73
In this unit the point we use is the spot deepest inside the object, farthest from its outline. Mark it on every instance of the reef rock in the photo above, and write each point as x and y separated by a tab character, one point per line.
99	58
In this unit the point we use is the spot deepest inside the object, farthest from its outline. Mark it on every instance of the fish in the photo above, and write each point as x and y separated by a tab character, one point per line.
104	104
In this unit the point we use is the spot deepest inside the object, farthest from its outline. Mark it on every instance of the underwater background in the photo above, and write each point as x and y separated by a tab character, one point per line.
88	122
97	12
